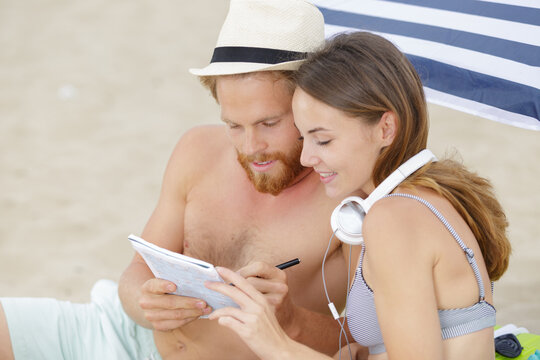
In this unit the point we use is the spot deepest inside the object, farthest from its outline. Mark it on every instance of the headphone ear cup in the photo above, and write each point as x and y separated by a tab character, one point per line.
347	219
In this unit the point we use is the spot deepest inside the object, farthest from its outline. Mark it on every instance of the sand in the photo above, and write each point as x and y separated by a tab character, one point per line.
94	96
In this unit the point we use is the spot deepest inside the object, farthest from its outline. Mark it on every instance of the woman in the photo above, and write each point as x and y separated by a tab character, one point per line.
360	108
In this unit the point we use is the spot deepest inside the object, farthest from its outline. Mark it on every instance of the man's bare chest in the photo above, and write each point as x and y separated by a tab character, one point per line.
231	229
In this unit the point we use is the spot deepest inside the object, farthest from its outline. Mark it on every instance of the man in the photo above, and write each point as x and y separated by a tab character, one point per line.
211	210
235	196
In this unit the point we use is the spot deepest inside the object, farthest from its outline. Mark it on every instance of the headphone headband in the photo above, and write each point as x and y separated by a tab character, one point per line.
400	174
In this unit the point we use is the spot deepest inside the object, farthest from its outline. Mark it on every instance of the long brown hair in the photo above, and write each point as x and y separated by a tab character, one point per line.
365	75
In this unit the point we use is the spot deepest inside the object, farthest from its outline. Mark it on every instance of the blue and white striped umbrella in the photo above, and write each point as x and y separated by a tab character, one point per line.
480	57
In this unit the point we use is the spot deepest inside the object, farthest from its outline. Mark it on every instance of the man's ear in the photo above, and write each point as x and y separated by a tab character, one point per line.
388	125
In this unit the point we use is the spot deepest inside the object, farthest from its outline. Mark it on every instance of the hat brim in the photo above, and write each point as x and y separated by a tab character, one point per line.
230	68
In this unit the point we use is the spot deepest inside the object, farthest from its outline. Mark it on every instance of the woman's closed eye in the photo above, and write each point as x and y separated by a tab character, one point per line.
318	142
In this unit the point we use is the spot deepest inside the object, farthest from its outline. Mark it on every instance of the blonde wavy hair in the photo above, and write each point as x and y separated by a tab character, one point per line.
210	82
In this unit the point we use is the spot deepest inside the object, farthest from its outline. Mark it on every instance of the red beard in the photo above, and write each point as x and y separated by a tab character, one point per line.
288	170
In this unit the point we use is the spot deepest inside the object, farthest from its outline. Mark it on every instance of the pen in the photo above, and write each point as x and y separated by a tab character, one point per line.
284	265
287	264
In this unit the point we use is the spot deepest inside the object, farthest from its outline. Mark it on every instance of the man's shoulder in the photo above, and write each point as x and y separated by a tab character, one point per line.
197	148
207	129
205	135
204	140
200	146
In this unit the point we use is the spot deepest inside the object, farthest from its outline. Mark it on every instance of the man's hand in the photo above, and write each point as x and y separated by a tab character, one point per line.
272	283
166	311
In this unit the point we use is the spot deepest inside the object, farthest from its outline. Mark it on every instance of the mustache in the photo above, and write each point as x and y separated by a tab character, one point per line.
273	184
261	157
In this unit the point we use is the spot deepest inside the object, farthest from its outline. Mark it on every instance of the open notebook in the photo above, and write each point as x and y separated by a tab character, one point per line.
189	274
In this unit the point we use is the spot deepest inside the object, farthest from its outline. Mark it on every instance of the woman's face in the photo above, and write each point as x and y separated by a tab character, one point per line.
342	149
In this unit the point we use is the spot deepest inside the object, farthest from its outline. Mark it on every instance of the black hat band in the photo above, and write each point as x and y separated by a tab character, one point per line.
254	55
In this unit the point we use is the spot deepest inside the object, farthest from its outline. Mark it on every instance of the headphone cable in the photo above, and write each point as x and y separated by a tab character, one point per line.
331	304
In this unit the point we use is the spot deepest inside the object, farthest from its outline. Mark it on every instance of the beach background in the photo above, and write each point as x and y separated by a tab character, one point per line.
94	96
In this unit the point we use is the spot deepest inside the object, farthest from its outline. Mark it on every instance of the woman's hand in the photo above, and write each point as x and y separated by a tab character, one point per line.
255	321
272	283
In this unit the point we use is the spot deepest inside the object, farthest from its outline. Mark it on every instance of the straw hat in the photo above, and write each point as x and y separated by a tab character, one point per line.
262	35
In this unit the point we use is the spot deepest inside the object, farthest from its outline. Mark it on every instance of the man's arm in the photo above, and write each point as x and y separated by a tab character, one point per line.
129	289
144	298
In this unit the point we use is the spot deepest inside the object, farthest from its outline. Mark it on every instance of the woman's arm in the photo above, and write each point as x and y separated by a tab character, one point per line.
398	266
255	321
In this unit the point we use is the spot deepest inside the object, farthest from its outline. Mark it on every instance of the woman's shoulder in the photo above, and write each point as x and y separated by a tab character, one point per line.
400	224
399	211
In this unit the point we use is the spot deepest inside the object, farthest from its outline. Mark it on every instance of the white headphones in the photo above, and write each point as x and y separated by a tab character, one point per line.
347	217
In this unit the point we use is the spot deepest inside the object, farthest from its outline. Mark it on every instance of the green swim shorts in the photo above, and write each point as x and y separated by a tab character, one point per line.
43	328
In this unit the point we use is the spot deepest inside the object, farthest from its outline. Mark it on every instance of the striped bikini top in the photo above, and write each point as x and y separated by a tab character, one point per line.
362	317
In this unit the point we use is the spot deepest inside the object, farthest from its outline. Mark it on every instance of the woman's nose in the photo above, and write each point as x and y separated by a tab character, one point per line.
307	158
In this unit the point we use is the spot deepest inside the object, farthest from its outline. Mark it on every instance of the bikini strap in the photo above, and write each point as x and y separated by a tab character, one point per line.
468	251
